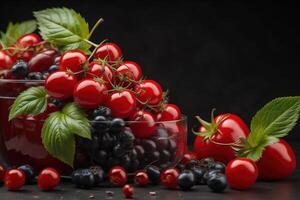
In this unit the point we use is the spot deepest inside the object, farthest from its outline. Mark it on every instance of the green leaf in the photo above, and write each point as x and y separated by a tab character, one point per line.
59	129
64	28
15	31
32	101
275	120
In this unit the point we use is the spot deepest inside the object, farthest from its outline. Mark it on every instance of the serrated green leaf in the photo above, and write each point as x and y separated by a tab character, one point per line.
15	31
59	129
64	28
32	101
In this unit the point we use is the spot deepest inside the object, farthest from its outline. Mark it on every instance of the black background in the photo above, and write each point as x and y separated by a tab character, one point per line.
235	56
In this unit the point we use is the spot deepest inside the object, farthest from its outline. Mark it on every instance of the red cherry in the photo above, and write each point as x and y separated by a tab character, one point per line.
143	124
89	93
149	91
42	61
14	179
130	70
141	178
109	51
2	172
6	61
48	179
73	60
28	40
128	191
170	112
60	85
188	156
118	176
241	173
100	71
122	103
168	178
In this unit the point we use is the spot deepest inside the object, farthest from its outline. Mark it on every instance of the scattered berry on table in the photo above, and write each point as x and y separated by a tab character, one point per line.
168	178
153	173
118	176
186	180
2	172
29	173
84	178
14	179
128	191
141	178
48	179
217	183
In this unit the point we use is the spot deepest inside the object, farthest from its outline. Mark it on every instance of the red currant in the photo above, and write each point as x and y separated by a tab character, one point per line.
122	103
128	191
130	70
149	91
143	124
108	51
141	178
89	93
188	156
97	70
241	173
60	85
2	172
48	179
14	179
73	60
42	61
118	176
6	61
28	40
170	112
168	178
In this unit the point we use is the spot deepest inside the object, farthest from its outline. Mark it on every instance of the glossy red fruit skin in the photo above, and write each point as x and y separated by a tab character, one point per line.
230	130
143	124
48	179
26	56
97	70
118	176
42	61
168	178
2	172
241	173
170	112
278	161
188	156
122	103
6	61
89	93
60	85
109	51
14	179
128	191
130	69
29	40
72	60
141	178
149	91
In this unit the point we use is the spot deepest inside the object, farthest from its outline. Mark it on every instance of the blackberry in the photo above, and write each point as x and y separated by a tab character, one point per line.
35	76
19	69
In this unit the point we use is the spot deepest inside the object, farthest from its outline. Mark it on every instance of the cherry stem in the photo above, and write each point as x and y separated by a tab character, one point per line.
92	54
96	26
91	43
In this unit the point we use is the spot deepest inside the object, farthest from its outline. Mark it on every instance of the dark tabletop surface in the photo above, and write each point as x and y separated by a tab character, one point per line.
288	189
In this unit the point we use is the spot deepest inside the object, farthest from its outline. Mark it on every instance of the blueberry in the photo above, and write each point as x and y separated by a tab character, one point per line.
83	178
118	151
101	157
102	111
35	76
29	173
199	173
154	174
172	145
117	125
53	68
134	165
164	156
125	161
186	180
190	164
133	154
112	161
161	138
100	123
19	69
107	142
127	139
149	145
217	166
98	174
208	174
205	162
217	183
140	151
153	156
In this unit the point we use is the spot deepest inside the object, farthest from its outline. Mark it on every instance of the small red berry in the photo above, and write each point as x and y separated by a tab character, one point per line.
241	173
97	70
170	112
108	51
130	70
128	191
118	176
89	93
29	40
188	156
143	124
48	179
168	178
149	91
6	61
14	179
60	85
73	60
2	172
141	178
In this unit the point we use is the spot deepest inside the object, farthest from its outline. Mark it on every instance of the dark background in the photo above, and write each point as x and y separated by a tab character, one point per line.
235	56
